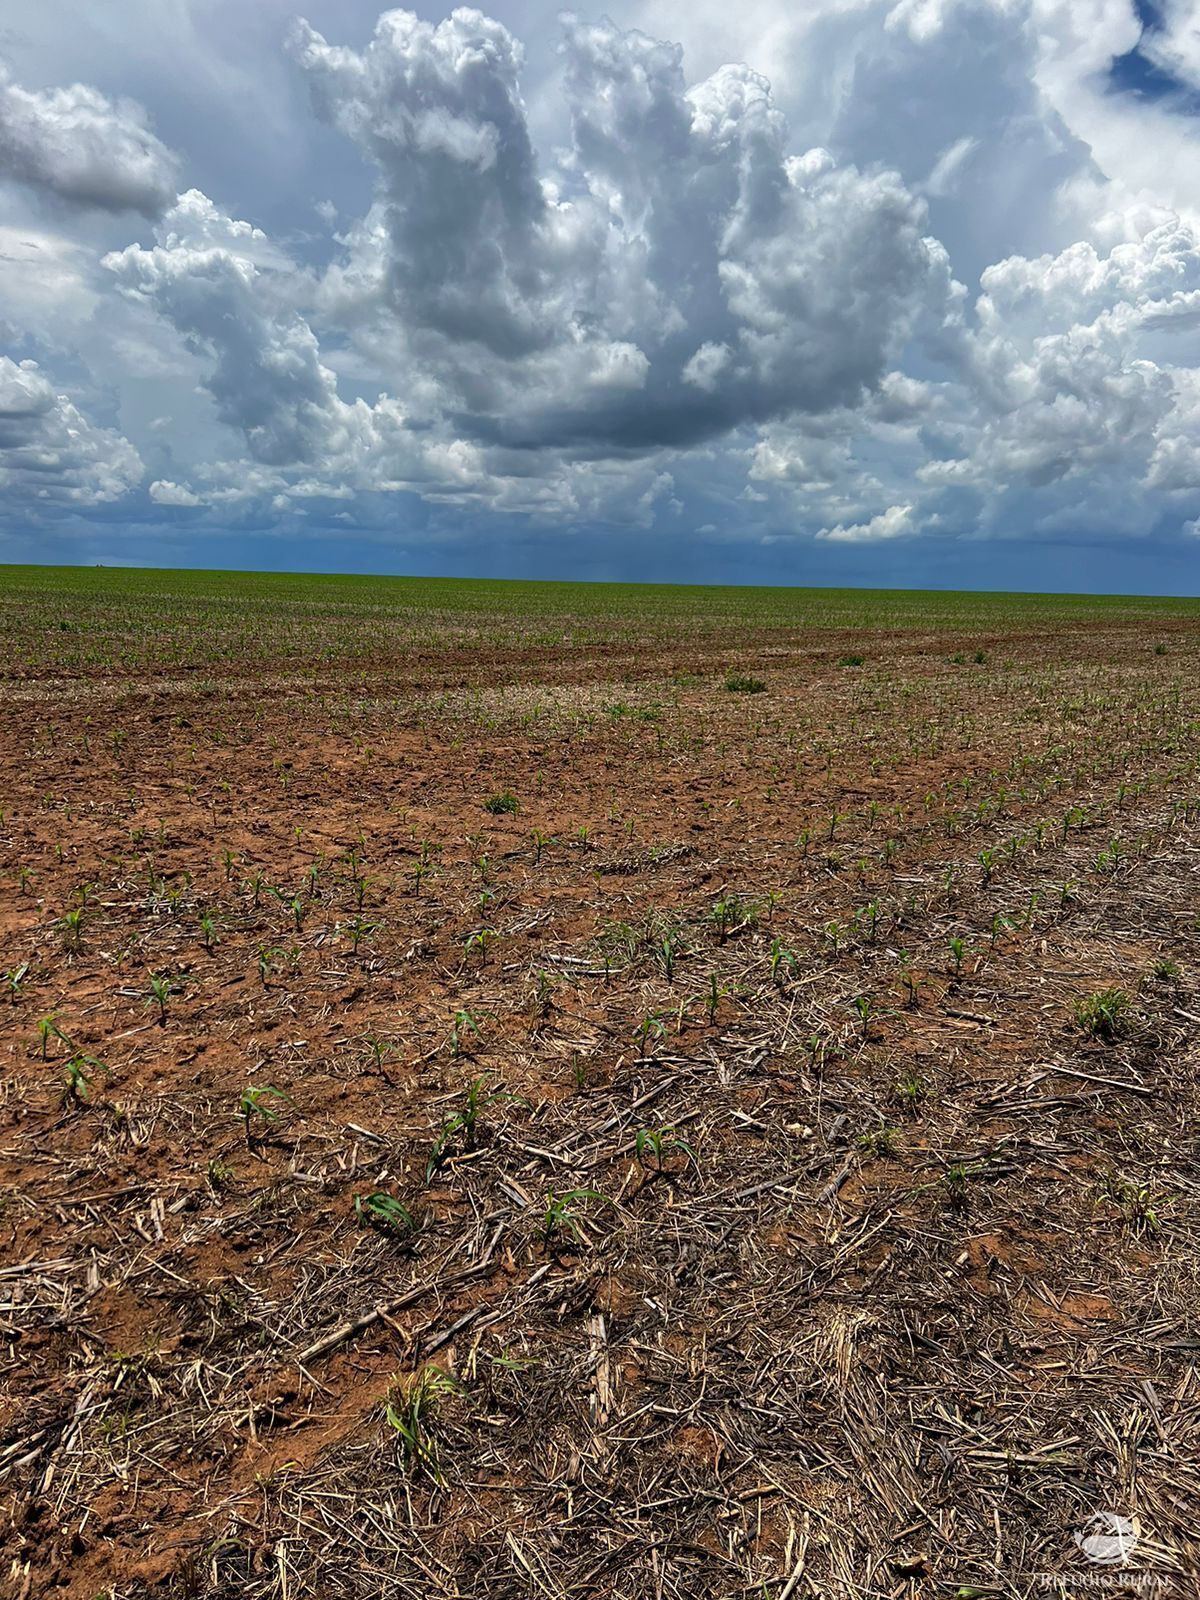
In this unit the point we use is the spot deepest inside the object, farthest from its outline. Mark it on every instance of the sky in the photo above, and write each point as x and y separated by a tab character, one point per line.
891	292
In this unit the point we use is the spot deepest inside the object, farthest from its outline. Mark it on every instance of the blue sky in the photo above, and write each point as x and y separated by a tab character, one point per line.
889	293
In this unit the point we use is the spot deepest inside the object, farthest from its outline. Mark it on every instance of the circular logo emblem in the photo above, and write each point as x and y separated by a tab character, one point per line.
1107	1539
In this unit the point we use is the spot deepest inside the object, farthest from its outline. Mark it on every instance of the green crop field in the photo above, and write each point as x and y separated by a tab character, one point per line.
62	617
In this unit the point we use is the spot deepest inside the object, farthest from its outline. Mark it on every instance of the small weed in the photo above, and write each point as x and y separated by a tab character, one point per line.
883	1142
503	804
740	683
411	1407
1139	1206
909	1090
1106	1015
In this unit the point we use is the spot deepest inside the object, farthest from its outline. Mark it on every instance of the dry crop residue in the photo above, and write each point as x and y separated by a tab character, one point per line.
527	1119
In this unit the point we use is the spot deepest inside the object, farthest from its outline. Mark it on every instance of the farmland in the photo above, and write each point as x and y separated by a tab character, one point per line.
551	1090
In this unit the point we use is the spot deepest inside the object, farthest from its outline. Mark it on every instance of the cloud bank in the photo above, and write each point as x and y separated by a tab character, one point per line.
842	313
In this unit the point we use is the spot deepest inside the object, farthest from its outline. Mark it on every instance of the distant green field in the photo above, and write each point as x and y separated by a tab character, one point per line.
71	617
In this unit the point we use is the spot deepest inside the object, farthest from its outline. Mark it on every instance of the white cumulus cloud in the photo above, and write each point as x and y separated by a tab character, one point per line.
83	148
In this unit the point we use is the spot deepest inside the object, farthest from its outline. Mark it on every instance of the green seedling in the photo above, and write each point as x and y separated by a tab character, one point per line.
503	804
160	993
411	1410
1106	1015
648	1031
269	959
882	1142
714	997
668	951
910	1090
256	1102
463	1023
478	1098
784	963
868	1014
543	993
358	931
13	979
741	683
482	940
1140	1207
70	925
662	1142
379	1051
561	1217
383	1211
48	1029
77	1080
909	979
731	914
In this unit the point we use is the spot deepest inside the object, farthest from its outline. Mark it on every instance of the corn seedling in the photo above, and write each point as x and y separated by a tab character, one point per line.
561	1216
868	1013
909	980
48	1029
160	993
668	951
256	1102
77	1080
481	940
662	1142
731	914
359	930
478	1097
648	1031
383	1211
70	925
714	997
543	993
463	1023
784	962
13	979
